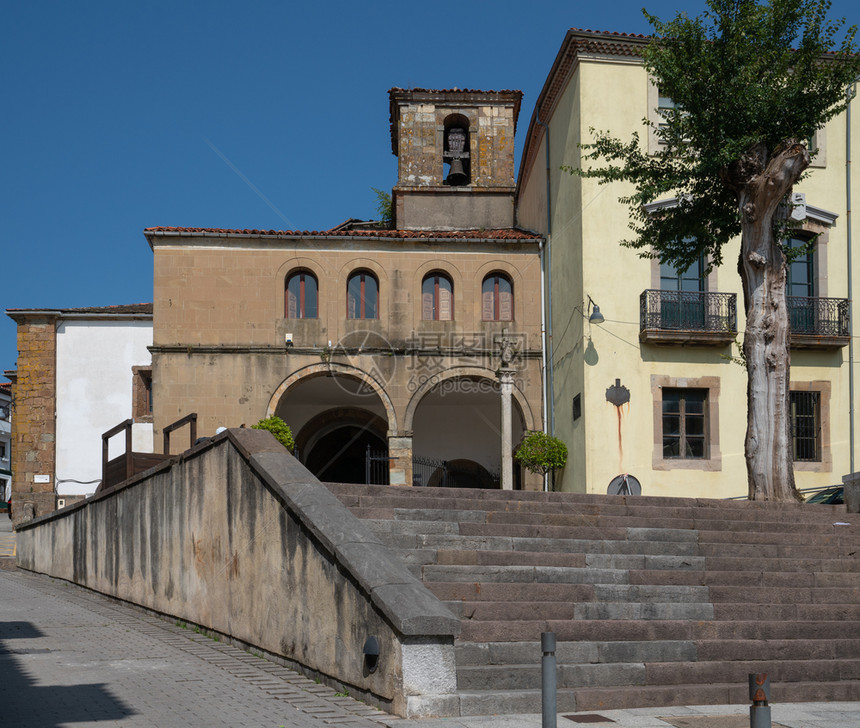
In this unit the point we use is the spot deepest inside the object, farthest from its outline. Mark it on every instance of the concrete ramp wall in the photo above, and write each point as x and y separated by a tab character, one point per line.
238	537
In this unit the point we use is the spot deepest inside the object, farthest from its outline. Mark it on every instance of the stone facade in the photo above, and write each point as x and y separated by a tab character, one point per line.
52	390
423	198
220	328
34	392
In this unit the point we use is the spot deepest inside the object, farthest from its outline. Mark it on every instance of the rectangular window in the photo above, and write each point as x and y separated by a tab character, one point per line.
141	396
577	407
805	410
684	422
2	450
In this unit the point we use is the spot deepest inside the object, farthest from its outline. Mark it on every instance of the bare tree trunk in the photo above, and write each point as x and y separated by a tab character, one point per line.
770	467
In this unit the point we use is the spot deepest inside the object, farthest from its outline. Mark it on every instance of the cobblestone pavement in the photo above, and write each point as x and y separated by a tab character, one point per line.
70	657
7	537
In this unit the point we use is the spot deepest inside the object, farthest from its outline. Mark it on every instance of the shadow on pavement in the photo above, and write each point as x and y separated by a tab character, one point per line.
28	705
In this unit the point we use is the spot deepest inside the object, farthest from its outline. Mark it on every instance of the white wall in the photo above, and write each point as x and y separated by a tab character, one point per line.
94	393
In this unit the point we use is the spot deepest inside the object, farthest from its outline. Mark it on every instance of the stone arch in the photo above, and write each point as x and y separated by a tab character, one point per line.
464	372
326	369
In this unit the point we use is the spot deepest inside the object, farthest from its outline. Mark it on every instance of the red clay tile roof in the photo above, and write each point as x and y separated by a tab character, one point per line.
504	234
6	385
129	308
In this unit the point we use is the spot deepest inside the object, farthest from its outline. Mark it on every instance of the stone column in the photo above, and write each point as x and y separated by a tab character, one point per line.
400	467
506	385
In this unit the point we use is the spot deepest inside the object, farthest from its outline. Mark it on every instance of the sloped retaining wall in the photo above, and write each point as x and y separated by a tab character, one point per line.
238	537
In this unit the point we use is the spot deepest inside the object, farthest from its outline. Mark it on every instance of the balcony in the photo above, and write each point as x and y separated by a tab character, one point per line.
818	323
687	317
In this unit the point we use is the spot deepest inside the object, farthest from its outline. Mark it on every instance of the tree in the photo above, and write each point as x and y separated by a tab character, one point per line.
541	453
278	428
751	81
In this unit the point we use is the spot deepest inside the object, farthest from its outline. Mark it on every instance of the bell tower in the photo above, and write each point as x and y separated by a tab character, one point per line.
455	152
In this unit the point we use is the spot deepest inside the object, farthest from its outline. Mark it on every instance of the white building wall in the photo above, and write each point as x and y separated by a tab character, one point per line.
5	444
94	393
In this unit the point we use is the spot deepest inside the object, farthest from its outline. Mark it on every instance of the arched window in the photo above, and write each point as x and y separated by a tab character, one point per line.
456	151
437	298
300	295
497	298
362	296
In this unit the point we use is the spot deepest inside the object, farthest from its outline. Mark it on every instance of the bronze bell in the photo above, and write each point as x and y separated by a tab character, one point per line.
456	175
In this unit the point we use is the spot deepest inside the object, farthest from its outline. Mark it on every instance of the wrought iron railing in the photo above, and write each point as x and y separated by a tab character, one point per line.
452	474
818	316
688	311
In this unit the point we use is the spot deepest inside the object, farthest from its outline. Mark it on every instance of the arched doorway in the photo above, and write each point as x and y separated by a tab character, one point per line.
335	419
458	422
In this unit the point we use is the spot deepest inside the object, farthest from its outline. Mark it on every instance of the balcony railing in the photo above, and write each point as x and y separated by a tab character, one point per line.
818	322
687	317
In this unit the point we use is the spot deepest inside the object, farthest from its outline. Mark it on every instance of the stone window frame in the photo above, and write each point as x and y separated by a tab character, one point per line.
141	393
824	389
714	461
360	314
497	316
292	273
437	273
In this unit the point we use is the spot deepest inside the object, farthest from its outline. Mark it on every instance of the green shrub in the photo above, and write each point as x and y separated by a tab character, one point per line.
541	453
280	429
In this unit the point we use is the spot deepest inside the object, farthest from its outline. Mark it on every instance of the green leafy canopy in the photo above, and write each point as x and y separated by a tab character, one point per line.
278	428
743	74
541	453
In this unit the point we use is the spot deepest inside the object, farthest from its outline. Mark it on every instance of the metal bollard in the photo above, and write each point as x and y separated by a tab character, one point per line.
548	680
760	695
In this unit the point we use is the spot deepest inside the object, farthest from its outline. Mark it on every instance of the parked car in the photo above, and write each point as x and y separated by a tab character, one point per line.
829	496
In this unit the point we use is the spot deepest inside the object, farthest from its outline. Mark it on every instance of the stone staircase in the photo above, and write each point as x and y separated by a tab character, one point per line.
654	601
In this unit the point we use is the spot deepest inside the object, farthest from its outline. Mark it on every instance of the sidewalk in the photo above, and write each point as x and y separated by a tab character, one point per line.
73	658
7	537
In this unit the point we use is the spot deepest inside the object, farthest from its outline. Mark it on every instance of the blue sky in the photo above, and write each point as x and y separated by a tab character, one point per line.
119	116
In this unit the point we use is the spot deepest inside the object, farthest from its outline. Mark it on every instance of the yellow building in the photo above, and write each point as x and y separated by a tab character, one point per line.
652	391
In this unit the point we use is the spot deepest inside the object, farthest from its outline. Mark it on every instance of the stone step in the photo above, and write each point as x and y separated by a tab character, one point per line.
691	522
764	565
586	675
521	574
509	558
792	649
749	579
510	702
655	696
584	652
512	611
645	508
636	630
543	545
785	595
803	612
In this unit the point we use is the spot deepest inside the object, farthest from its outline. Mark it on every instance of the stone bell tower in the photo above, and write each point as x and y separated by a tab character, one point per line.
455	153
